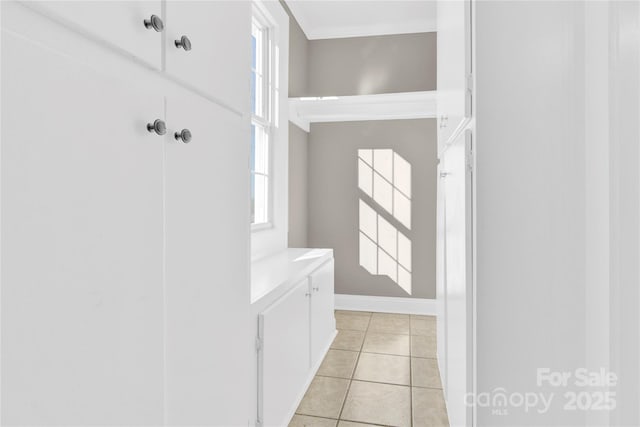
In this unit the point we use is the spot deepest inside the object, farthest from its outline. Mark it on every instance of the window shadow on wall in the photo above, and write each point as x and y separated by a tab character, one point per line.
384	179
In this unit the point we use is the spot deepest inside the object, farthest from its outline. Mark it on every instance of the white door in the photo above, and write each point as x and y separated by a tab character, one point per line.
81	244
207	264
284	357
323	323
119	23
459	284
219	62
454	64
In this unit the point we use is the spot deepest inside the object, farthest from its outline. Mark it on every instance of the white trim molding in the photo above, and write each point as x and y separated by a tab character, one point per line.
388	106
423	306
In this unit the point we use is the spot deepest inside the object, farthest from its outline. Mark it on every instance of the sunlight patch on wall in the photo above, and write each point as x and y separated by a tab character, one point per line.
385	177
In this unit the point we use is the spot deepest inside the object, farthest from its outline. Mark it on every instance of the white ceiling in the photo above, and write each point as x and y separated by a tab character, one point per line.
329	19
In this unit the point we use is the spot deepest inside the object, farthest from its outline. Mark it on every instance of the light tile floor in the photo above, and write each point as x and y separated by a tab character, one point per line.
381	370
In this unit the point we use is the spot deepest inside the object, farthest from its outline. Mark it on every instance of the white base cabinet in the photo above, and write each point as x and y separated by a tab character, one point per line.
294	333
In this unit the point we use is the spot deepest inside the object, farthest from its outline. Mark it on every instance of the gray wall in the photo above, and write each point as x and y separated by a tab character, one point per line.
371	65
334	199
298	57
298	201
298	139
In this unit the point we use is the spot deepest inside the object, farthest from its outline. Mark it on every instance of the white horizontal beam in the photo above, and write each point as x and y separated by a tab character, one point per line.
390	106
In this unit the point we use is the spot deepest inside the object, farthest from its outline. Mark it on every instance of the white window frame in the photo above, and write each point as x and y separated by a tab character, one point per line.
268	108
271	237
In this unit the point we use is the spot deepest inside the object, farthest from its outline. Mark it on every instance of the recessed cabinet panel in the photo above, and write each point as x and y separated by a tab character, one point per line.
284	359
207	263
120	23
82	337
218	60
323	323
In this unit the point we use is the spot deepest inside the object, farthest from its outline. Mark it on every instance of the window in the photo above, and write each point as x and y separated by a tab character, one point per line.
261	120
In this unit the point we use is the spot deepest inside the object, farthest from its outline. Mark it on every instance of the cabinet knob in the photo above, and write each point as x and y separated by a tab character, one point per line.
184	43
158	126
317	289
184	135
154	22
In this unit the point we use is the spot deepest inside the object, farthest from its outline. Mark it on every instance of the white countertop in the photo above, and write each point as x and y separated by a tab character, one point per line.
275	274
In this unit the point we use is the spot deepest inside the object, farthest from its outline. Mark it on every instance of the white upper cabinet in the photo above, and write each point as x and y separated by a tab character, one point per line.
82	244
119	23
213	49
454	65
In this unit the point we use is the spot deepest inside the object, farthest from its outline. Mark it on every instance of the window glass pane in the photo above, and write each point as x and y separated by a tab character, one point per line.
261	141
253	50
253	200
253	92
252	154
261	204
258	98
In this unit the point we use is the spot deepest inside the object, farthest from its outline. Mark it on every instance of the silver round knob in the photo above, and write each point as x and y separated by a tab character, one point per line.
154	22
184	43
158	126
184	135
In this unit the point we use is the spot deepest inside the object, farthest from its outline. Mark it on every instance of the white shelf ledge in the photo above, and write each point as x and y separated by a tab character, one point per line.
389	106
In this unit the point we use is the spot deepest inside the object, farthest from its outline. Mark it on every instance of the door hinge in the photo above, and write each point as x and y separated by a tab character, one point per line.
258	344
469	82
258	422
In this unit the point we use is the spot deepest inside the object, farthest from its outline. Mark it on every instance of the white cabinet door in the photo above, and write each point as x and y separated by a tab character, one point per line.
81	244
454	64
441	284
219	62
120	23
284	357
207	265
323	323
459	289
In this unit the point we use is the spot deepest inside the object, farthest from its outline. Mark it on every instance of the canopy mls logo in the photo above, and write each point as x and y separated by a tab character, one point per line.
585	390
384	178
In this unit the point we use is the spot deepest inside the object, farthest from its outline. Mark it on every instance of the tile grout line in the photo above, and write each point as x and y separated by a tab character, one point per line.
354	368
410	375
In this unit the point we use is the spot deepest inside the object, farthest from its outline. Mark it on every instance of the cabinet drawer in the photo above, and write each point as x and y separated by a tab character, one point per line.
119	23
219	61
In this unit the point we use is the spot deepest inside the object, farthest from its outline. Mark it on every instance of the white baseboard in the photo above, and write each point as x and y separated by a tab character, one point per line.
386	304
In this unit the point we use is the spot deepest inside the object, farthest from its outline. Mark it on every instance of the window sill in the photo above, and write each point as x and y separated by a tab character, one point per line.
261	227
